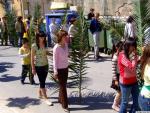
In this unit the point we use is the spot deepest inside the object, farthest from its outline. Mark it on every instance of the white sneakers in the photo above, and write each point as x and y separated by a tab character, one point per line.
116	108
67	110
48	102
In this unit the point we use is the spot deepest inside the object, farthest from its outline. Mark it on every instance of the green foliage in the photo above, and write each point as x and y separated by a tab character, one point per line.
11	19
117	29
139	78
32	32
37	11
78	54
79	50
141	19
141	10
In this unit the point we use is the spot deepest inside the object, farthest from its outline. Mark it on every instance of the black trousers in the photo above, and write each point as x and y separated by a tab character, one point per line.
5	38
62	78
42	72
25	71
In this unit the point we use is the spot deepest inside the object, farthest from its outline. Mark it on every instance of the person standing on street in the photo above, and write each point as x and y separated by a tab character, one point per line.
127	63
39	63
96	28
117	48
27	23
72	29
25	55
1	30
42	26
20	29
53	27
4	31
129	30
60	65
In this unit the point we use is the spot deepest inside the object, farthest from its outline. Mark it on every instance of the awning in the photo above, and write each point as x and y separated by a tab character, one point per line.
59	5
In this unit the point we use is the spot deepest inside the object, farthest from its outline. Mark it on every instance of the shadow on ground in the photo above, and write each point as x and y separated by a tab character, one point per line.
92	101
23	102
101	59
5	65
5	47
8	78
53	86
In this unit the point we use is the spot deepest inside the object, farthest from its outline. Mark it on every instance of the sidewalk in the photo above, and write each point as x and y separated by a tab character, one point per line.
17	98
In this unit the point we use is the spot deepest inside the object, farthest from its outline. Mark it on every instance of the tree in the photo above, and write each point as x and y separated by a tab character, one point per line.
79	50
11	19
78	54
141	14
37	11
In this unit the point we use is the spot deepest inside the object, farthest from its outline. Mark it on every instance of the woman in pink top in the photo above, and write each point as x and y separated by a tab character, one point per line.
60	65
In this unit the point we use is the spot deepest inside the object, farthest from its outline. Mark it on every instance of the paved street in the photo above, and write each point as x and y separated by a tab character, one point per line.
17	98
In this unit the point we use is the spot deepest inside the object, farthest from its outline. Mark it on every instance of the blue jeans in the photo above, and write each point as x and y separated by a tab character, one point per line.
144	103
126	91
20	37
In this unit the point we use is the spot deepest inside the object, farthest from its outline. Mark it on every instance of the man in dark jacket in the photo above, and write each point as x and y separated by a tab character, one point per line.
95	28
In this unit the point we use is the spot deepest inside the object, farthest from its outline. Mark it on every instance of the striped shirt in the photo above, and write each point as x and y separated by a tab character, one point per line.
115	67
146	36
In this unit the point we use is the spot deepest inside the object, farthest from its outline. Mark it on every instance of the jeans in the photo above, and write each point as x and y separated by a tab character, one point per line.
42	72
62	78
144	103
20	37
126	91
96	38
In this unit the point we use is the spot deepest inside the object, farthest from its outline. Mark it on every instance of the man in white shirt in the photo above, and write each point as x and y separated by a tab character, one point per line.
53	27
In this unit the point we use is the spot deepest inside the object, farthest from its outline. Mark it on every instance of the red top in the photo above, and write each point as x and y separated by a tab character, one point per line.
127	69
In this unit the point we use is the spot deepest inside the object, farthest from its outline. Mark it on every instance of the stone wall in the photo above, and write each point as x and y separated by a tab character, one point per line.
105	7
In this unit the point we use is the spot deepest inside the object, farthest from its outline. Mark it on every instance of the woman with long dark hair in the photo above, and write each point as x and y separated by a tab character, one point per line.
144	97
127	62
39	63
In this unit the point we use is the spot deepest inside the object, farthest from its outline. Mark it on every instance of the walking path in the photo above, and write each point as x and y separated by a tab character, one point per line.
17	98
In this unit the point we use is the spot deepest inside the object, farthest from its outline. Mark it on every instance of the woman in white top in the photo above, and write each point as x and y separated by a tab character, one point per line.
129	30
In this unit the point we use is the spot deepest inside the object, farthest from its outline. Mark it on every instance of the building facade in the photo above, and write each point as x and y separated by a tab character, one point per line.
104	7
